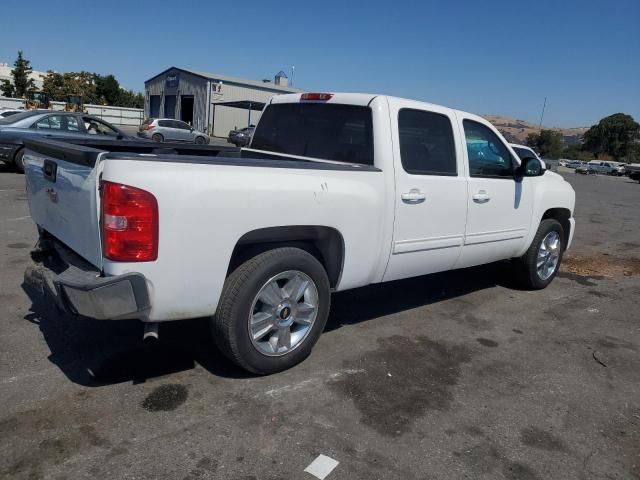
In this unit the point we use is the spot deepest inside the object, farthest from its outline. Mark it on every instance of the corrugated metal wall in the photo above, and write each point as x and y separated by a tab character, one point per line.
188	84
226	118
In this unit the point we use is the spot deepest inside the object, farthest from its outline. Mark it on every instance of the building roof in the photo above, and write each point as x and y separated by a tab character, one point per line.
228	79
281	74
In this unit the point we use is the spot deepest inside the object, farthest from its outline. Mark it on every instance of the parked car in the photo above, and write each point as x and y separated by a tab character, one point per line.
617	169
241	137
525	152
607	168
574	164
47	123
258	241
585	168
632	170
7	112
170	130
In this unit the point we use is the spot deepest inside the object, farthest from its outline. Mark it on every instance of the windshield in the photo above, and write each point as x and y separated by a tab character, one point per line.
328	131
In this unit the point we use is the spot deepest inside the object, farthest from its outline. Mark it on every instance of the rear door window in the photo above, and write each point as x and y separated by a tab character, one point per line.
165	123
426	143
51	122
319	130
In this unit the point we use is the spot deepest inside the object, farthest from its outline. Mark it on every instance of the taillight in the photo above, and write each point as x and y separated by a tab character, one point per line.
316	96
129	223
149	127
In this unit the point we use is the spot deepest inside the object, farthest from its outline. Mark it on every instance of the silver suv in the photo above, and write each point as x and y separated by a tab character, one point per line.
170	130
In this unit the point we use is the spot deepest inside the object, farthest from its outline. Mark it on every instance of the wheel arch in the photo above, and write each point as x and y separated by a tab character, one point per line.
562	215
324	243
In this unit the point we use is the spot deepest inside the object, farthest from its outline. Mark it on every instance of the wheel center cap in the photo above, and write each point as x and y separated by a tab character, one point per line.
285	318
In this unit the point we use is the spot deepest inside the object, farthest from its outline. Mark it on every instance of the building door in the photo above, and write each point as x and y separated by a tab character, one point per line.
186	109
170	106
154	106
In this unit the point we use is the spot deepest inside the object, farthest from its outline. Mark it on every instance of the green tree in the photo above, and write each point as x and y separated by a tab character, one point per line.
614	135
22	83
547	143
130	99
53	85
7	88
575	152
107	89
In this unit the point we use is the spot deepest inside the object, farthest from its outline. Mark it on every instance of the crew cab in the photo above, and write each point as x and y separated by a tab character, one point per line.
336	191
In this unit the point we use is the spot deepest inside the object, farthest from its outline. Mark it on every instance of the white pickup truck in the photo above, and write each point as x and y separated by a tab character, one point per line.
337	191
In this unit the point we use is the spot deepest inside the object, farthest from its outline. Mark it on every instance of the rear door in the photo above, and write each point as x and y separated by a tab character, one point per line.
167	130
63	195
431	191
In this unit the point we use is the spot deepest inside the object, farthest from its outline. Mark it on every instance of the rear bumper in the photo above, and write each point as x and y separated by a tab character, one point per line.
79	290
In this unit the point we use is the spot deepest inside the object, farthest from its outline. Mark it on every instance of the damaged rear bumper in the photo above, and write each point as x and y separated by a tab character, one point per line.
79	290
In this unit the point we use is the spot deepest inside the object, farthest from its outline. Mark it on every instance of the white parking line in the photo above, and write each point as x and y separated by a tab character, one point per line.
321	466
16	219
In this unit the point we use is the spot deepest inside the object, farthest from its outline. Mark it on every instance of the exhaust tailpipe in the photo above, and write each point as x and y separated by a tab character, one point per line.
150	332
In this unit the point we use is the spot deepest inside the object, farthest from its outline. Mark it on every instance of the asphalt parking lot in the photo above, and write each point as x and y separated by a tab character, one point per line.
455	375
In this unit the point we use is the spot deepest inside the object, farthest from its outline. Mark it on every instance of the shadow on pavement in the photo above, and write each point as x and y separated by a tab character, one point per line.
101	352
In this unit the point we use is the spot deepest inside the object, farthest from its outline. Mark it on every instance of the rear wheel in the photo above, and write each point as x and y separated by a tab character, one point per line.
272	310
157	138
18	160
201	140
539	265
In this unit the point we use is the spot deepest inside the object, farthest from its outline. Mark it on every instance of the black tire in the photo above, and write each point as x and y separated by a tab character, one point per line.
525	266
18	160
230	325
200	140
156	137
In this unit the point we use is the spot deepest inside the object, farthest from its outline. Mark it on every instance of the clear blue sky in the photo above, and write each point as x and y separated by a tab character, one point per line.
483	56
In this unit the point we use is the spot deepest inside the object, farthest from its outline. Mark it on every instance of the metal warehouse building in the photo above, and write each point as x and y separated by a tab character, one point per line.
210	102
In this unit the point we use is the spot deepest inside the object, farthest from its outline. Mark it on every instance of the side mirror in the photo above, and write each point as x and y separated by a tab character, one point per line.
530	167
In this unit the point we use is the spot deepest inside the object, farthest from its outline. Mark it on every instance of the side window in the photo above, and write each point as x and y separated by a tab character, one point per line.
52	122
488	156
165	123
72	124
182	125
426	143
97	127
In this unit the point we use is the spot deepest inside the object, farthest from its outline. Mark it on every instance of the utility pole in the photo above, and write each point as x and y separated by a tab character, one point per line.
542	114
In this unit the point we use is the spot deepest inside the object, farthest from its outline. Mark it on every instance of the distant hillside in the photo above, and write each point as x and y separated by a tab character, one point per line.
516	131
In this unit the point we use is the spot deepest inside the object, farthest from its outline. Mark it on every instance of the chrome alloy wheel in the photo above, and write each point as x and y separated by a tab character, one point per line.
548	255
283	313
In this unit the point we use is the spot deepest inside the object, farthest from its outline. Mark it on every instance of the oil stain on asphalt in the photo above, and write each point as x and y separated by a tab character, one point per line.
392	368
165	398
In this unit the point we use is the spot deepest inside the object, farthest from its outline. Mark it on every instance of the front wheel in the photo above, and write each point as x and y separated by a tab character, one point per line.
272	310
539	265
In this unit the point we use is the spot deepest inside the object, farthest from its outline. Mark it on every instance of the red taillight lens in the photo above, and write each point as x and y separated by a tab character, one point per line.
149	127
316	96
129	224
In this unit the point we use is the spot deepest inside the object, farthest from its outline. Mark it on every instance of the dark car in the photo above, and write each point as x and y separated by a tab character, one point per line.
241	137
50	124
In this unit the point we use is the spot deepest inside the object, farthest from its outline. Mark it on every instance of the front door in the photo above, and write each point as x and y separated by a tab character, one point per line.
499	206
431	192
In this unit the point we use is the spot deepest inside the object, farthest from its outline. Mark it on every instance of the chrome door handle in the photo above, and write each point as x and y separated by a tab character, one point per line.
413	196
481	197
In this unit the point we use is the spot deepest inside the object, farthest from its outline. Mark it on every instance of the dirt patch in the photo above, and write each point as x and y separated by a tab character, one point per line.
165	398
537	438
600	266
425	371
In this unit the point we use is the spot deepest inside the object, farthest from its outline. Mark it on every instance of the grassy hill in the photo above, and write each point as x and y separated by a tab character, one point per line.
516	131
